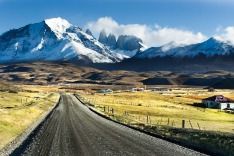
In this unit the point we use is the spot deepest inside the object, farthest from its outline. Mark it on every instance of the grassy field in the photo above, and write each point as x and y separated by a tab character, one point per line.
160	112
19	110
206	130
167	108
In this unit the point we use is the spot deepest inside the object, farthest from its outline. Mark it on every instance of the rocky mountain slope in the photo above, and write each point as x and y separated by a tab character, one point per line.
68	73
52	39
211	47
212	54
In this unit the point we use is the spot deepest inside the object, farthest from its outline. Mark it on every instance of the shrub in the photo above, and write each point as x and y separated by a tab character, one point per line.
13	91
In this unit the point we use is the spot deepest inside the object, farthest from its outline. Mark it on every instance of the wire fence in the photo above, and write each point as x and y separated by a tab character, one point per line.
138	118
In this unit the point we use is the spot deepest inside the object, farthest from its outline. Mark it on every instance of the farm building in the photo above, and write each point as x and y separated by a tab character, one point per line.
211	89
137	89
218	101
106	91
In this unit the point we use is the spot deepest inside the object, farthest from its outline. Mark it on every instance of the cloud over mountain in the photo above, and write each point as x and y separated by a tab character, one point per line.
151	35
225	34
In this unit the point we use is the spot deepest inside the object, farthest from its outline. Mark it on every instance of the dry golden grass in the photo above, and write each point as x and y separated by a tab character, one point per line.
16	117
39	88
174	106
20	99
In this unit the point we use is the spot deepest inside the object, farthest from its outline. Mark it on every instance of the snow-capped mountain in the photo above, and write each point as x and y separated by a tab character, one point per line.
52	39
209	48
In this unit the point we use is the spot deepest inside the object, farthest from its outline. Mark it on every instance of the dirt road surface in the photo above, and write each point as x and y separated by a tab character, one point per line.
72	129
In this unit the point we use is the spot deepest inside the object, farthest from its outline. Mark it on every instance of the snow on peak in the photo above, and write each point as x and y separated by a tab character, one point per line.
169	46
211	47
144	47
52	39
58	25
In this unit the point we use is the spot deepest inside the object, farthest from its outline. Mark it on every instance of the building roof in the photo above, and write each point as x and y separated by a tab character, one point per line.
219	98
211	88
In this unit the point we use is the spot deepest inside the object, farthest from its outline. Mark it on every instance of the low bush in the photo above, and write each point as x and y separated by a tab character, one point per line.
13	91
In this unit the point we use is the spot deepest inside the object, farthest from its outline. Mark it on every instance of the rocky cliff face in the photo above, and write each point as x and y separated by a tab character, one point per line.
89	33
102	37
128	43
111	41
125	45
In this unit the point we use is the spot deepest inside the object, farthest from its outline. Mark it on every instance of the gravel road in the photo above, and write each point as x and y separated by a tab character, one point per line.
72	129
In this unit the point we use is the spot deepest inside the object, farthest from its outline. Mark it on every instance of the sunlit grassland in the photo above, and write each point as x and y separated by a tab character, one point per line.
167	108
206	130
19	110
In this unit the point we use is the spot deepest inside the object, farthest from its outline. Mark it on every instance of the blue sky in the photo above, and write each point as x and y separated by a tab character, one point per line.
204	16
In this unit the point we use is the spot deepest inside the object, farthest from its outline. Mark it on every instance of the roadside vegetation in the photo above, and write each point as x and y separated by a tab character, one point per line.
20	109
208	130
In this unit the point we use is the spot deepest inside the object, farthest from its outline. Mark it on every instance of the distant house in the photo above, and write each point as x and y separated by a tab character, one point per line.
218	101
211	89
106	91
137	89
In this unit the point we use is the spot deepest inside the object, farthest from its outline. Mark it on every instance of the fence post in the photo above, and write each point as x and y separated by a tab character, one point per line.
112	110
147	119
183	123
191	124
108	109
198	126
104	108
168	121
172	123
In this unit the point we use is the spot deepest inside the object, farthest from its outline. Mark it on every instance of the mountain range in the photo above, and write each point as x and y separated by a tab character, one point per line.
209	48
57	40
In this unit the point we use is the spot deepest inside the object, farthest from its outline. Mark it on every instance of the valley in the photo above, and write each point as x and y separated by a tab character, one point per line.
30	89
65	92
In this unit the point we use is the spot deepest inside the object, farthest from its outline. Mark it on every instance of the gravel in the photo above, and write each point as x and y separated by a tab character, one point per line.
72	129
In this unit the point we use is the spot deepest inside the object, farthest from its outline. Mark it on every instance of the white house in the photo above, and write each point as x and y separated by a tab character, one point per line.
137	89
218	101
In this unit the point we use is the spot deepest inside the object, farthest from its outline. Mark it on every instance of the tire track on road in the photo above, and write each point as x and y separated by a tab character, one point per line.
72	129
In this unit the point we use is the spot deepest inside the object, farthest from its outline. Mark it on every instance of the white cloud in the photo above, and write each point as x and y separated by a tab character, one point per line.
151	35
226	34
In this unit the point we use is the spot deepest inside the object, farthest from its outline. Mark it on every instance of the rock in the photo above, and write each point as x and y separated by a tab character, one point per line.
103	37
111	41
128	42
89	33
